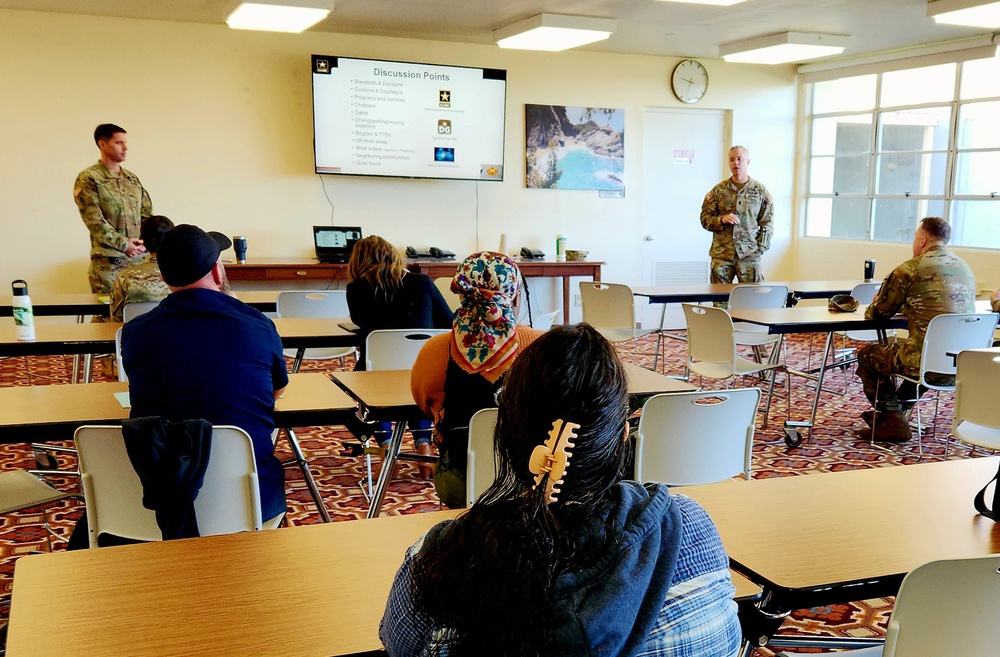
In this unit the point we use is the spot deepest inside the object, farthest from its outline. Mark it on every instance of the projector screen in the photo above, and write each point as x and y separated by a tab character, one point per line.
401	119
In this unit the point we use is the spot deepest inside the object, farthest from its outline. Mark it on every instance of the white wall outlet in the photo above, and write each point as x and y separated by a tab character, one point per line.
576	301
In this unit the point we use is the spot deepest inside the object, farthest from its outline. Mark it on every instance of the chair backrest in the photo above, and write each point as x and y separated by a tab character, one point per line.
443	284
481	470
321	303
975	388
118	355
865	292
544	322
953	333
229	500
607	305
710	334
396	349
947	608
692	438
758	297
134	309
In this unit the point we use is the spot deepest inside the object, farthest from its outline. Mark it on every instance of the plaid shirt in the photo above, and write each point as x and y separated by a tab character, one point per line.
698	617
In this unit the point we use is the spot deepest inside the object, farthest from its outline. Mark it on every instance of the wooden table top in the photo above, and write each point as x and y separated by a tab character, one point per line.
720	291
823	529
86	303
89	338
53	412
310	591
813	319
388	391
316	590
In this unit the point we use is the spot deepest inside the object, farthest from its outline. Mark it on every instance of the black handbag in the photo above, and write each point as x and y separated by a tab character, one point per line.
980	501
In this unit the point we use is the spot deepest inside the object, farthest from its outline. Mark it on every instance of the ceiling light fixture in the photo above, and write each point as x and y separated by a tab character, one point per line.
783	48
554	32
974	13
278	15
720	3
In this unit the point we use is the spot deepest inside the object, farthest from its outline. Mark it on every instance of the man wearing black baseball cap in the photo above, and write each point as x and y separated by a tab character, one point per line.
202	354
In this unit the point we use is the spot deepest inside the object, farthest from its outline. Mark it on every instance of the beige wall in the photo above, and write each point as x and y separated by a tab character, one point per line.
220	132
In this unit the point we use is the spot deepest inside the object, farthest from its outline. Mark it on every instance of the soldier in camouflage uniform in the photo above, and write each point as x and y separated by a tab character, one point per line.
738	211
112	202
142	282
935	281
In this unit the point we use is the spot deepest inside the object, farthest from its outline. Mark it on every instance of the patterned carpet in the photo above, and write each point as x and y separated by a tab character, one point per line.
834	447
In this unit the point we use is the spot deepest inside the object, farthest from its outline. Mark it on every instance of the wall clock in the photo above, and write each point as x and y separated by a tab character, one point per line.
689	81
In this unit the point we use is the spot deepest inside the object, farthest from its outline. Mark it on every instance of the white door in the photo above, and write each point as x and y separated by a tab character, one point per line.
684	156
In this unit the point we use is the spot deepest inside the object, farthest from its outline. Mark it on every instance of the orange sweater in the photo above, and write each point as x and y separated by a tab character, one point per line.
427	376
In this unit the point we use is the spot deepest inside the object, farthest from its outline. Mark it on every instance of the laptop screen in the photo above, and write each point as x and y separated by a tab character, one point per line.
335	243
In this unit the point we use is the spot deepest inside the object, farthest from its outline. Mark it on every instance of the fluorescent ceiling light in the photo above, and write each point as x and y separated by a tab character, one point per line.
783	48
276	16
554	32
721	3
975	13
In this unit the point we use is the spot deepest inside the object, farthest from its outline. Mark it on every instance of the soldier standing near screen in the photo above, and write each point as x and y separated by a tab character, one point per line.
112	204
738	211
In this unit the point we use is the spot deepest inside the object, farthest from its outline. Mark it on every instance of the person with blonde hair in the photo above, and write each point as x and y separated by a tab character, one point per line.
382	294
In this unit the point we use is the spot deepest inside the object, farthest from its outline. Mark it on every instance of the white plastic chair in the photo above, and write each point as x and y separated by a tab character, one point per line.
865	294
950	333
712	349
481	469
322	303
229	500
756	297
443	284
133	310
691	438
610	308
544	322
944	608
396	349
977	413
20	490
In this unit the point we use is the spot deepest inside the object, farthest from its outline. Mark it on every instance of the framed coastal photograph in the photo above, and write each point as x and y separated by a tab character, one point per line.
574	147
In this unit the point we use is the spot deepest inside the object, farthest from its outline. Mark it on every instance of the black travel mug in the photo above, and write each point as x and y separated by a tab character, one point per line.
240	246
869	268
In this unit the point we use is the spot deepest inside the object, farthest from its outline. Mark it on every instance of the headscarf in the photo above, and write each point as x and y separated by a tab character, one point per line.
483	332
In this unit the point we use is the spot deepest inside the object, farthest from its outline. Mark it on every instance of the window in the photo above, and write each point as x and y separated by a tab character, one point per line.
888	149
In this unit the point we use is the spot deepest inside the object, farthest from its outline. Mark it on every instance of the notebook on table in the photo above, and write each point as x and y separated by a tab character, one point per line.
335	243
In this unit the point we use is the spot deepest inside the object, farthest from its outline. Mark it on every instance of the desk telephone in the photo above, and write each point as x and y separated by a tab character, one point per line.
432	252
531	254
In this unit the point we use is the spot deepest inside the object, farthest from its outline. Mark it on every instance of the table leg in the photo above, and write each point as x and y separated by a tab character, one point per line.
388	465
566	299
297	363
792	437
300	460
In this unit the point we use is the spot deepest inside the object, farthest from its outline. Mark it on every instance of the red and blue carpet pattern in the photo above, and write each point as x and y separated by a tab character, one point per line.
835	446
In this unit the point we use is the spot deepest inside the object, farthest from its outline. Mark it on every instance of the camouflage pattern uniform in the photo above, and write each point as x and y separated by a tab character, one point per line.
112	206
736	250
933	283
137	284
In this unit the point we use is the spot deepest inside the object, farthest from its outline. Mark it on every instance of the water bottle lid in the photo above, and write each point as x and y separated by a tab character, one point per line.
20	290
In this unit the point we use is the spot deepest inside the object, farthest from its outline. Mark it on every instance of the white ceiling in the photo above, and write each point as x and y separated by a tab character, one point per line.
644	26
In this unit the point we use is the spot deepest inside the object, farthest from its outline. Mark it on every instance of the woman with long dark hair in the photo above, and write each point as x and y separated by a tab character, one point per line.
561	555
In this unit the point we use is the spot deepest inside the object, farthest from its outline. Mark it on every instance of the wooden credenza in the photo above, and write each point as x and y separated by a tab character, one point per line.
307	269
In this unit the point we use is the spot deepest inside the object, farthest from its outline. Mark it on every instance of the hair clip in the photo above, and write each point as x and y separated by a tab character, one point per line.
551	458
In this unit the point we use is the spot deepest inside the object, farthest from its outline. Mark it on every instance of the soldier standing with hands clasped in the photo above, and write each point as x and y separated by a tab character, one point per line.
738	211
112	204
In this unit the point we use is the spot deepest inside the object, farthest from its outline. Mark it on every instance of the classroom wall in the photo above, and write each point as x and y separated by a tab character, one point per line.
220	132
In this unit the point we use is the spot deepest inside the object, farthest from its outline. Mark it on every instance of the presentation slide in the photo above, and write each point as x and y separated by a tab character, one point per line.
379	118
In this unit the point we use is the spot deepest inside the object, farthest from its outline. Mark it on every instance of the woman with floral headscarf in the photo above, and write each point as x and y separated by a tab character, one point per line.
459	373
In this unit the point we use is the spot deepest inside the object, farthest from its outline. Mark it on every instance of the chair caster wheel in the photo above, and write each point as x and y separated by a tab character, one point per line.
792	438
46	460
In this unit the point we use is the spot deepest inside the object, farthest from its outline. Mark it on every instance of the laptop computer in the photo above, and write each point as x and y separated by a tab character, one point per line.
335	243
